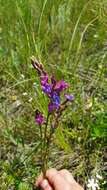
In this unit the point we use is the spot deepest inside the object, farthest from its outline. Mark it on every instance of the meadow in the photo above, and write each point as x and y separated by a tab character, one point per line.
70	39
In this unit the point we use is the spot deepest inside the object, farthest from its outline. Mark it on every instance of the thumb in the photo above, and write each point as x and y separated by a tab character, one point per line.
45	185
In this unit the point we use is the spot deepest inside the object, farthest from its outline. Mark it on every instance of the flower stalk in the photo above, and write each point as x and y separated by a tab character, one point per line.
53	89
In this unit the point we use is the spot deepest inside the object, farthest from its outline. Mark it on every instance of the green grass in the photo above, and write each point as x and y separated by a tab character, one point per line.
70	39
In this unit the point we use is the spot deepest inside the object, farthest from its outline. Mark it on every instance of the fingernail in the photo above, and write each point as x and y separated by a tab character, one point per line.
44	184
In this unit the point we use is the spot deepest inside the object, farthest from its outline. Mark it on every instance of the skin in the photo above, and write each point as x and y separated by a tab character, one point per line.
57	180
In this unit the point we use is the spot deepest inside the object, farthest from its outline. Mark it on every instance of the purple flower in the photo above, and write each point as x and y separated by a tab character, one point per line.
55	102
39	117
60	86
47	88
55	98
69	97
53	89
52	107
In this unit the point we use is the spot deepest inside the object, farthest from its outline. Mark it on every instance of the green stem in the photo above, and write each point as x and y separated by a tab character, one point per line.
46	125
44	147
47	148
46	156
41	140
40	132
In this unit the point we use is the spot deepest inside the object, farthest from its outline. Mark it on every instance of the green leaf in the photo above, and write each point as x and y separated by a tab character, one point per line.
61	140
24	186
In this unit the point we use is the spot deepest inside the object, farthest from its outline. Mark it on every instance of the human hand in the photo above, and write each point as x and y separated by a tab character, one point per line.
58	180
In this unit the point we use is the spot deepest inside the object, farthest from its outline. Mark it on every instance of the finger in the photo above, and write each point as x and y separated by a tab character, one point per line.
67	176
51	171
39	180
45	185
70	179
50	174
56	180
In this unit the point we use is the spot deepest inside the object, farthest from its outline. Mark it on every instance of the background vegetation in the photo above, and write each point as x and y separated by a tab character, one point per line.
70	39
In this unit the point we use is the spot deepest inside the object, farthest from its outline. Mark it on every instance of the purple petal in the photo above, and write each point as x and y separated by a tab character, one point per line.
55	98
44	79
39	119
69	97
61	85
52	107
47	88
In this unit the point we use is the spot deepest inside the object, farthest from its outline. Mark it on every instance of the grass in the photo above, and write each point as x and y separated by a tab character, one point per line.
70	39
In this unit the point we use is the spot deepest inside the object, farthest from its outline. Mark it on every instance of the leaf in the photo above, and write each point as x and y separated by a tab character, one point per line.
62	141
24	186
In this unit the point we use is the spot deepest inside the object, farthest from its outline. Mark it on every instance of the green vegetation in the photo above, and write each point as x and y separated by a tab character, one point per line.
70	39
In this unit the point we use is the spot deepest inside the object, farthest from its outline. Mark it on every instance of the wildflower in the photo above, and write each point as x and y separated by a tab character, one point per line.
24	94
17	103
52	107
53	89
54	102
55	98
98	176
69	97
30	99
60	86
92	184
47	88
22	76
39	117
